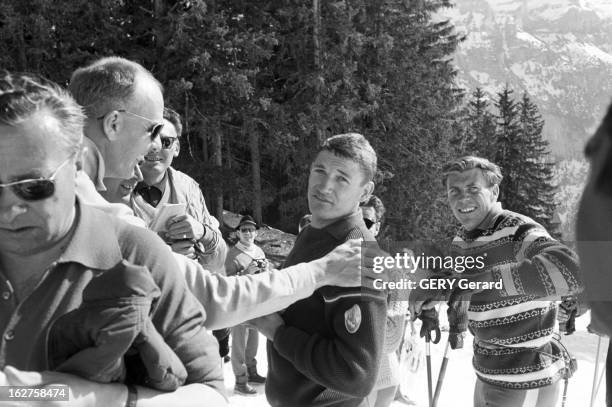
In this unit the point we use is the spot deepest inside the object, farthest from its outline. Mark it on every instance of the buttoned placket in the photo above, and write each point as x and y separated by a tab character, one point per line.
9	300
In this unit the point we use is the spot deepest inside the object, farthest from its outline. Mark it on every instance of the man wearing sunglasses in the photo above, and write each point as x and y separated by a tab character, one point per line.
124	106
195	234
52	245
373	211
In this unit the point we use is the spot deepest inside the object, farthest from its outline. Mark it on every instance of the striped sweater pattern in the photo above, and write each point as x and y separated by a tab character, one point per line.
513	327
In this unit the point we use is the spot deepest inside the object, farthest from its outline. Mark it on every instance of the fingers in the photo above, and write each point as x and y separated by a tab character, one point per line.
184	247
22	378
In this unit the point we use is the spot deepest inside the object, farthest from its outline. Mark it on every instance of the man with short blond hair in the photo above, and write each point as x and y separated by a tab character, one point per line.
515	359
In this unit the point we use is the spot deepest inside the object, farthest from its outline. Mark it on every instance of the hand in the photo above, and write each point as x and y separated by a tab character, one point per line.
341	266
562	316
455	340
184	247
267	324
184	227
251	269
430	322
82	392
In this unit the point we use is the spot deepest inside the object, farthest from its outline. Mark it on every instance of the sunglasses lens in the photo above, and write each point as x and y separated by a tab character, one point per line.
35	190
167	142
368	223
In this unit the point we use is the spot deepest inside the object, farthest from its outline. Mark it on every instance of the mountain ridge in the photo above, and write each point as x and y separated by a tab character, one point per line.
559	51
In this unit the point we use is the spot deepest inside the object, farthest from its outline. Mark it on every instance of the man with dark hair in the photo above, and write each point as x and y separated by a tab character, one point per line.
195	234
515	359
594	234
373	212
327	349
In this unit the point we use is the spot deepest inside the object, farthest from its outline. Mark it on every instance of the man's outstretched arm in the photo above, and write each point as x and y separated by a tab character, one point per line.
229	301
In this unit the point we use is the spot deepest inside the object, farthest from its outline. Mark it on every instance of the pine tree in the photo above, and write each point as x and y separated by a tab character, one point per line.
508	149
480	133
536	174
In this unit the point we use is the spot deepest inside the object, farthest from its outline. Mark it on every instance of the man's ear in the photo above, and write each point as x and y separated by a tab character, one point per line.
112	124
368	188
177	148
495	192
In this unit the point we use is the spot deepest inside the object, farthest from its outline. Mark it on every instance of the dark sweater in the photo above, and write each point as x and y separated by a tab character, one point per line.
330	349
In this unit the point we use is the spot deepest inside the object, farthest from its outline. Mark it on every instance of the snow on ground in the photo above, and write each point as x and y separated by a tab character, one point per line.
458	386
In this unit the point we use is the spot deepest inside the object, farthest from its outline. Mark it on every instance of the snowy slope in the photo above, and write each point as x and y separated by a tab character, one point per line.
458	386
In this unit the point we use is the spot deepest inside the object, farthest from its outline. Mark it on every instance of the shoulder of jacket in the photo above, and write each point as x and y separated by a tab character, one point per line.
333	294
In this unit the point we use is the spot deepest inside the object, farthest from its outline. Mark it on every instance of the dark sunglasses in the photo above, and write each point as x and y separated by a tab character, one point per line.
35	189
167	142
153	131
368	222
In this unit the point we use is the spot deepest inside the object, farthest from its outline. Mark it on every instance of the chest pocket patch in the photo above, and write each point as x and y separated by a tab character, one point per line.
352	319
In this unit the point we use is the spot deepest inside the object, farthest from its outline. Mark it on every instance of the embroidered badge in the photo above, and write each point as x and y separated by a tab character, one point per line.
352	319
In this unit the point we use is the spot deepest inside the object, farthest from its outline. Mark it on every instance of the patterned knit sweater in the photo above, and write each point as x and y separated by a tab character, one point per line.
513	327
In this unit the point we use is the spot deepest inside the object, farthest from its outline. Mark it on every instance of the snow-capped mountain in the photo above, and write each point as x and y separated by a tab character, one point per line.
559	51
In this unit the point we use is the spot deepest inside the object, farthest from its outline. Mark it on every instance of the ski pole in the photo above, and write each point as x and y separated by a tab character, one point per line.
602	374
593	393
441	374
428	359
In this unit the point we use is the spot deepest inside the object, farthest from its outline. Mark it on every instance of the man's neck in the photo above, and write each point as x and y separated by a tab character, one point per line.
248	245
319	223
158	182
487	222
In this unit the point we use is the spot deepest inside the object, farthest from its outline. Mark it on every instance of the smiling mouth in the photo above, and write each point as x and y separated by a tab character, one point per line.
152	159
128	188
467	210
318	198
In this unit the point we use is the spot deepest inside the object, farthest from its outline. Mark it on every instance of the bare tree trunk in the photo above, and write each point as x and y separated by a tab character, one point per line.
159	8
316	34
204	138
228	155
255	169
21	49
217	143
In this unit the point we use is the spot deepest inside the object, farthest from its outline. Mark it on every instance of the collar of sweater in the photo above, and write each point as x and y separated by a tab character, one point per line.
488	222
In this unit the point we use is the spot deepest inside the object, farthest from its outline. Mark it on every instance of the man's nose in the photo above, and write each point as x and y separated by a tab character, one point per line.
10	206
155	145
326	184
